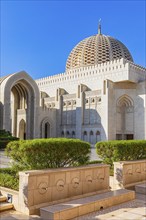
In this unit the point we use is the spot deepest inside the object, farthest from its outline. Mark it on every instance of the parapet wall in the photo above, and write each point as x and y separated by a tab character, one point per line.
129	173
104	70
40	188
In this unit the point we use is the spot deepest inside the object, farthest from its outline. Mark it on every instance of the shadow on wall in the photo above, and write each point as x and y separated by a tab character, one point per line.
140	116
1	115
92	130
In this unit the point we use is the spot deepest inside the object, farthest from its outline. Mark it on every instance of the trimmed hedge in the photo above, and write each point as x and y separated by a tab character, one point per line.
5	138
112	151
94	162
48	153
9	178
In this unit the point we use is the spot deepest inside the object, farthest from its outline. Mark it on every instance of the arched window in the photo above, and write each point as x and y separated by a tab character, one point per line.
91	137
73	134
62	134
85	136
67	134
98	136
97	132
45	128
91	132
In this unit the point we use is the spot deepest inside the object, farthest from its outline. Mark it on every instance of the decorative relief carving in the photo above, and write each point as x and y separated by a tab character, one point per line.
89	179
43	187
100	177
60	185
137	170
129	171
75	182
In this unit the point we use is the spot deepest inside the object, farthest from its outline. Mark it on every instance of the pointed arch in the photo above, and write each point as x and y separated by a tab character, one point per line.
85	135
22	129
20	92
125	100
125	117
98	137
46	127
91	137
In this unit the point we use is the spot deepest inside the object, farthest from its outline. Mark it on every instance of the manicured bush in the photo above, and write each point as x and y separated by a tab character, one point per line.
94	162
5	138
112	151
48	153
9	178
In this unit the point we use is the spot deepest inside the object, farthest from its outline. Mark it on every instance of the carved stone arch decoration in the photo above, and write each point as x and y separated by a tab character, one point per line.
125	100
125	117
20	100
46	127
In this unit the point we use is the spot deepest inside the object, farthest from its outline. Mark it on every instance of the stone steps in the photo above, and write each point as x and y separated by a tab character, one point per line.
4	205
141	188
3	198
78	207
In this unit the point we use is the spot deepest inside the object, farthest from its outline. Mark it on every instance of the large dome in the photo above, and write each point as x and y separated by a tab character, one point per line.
95	50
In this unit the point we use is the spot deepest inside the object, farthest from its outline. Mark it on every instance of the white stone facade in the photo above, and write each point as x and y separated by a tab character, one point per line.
104	101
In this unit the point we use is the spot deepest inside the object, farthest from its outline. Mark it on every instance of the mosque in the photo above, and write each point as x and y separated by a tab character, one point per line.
100	96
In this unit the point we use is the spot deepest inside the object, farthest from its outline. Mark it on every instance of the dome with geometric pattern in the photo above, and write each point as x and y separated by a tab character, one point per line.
97	49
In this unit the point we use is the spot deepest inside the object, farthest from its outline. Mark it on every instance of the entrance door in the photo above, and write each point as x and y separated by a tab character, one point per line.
129	136
47	130
22	130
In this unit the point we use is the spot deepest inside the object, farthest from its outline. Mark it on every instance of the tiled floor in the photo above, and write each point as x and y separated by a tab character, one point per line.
135	210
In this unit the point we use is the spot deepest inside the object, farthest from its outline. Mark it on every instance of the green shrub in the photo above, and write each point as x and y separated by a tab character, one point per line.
94	162
48	153
5	138
112	151
9	178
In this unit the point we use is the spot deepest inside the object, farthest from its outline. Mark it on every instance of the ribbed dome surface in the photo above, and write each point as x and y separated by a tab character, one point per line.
95	50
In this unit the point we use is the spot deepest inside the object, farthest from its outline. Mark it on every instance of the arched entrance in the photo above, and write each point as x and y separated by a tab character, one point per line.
125	118
45	128
20	101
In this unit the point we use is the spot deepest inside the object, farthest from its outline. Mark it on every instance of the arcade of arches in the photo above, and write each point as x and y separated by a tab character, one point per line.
115	111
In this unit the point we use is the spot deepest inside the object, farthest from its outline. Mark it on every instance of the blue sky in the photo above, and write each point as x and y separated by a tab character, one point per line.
37	36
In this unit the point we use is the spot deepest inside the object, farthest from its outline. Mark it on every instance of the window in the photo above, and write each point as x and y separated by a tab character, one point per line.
67	133
73	134
91	132
97	132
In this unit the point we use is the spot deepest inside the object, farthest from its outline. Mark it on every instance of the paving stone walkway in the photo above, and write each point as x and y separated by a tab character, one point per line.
134	210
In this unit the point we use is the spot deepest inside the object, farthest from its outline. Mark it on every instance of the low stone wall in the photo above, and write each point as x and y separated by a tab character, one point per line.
129	173
44	187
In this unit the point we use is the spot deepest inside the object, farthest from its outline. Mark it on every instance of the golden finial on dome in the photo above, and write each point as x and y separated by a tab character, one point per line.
99	26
